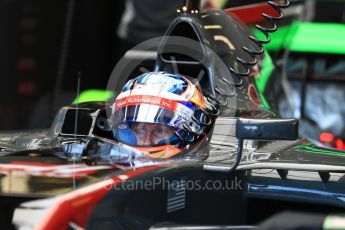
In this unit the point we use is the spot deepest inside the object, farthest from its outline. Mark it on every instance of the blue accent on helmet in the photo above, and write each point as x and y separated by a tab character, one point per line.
171	140
187	104
126	135
172	83
127	86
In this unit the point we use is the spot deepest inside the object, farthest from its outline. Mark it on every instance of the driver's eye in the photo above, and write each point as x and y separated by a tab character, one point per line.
140	131
160	132
163	133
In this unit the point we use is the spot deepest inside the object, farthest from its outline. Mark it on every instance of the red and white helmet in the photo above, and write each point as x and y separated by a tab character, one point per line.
160	114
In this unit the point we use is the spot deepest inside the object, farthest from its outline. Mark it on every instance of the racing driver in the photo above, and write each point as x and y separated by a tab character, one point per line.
163	115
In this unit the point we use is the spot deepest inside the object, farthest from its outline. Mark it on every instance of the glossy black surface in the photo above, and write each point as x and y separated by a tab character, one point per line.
269	129
271	175
220	38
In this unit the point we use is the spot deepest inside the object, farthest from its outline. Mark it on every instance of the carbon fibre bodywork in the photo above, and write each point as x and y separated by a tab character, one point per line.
47	168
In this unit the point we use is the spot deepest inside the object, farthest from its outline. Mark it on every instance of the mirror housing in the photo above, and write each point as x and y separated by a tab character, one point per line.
267	129
263	129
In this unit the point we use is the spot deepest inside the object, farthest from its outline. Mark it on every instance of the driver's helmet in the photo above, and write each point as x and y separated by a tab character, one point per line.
160	114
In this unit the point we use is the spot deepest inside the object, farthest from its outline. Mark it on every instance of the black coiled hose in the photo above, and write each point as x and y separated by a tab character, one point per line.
254	53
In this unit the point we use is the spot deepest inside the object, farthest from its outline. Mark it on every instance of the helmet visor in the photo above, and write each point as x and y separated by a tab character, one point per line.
145	134
146	125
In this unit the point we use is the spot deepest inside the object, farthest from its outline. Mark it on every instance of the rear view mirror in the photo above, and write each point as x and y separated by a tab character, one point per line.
263	129
273	129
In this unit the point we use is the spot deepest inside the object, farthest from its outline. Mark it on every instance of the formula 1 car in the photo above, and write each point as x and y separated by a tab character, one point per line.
76	176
